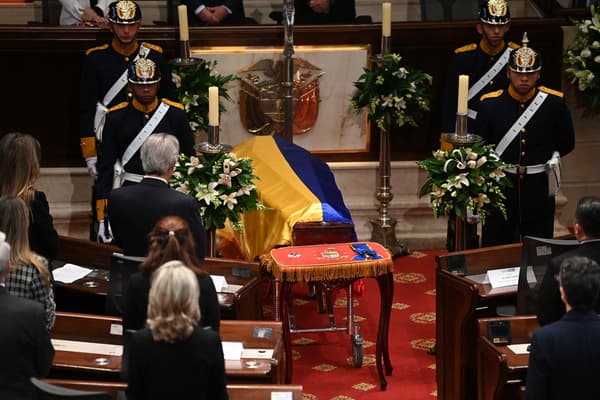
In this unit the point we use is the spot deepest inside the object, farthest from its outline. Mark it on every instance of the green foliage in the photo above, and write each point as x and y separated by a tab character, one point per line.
466	179
392	93
192	83
582	61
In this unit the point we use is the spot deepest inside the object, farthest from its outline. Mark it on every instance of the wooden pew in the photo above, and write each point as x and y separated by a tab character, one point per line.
460	301
88	295
262	392
235	391
500	372
107	330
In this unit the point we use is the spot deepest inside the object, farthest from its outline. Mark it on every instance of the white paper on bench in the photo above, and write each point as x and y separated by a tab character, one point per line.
519	348
77	346
507	277
232	350
69	273
281	396
219	282
257	353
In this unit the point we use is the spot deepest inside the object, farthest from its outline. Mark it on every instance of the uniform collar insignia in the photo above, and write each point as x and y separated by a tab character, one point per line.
125	52
519	97
145	108
489	50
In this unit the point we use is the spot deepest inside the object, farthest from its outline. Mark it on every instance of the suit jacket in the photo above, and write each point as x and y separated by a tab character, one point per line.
136	302
133	211
43	238
550	306
26	347
193	368
341	12
564	362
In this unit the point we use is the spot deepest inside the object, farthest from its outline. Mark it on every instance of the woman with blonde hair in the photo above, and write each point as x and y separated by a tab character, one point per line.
170	239
28	274
174	357
20	157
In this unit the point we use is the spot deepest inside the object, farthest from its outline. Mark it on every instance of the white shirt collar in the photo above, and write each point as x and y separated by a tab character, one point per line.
158	178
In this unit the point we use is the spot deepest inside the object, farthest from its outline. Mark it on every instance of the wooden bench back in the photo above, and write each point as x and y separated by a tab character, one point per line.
85	252
88	327
521	326
235	391
478	261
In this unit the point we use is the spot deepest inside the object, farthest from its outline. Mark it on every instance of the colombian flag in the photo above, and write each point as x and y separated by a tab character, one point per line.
297	187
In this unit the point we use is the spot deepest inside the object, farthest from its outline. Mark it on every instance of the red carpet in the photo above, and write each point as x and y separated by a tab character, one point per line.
323	361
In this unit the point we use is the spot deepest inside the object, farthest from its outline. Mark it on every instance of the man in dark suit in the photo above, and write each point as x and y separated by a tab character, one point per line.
133	210
25	342
587	231
215	12
324	11
564	362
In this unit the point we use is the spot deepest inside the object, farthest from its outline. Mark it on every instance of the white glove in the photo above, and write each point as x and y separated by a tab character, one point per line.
473	218
91	166
104	234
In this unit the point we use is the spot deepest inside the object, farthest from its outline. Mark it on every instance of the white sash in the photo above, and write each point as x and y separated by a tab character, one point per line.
115	89
521	122
136	143
487	77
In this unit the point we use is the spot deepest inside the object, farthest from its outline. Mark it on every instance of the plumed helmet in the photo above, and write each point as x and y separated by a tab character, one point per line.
525	59
143	72
494	12
124	12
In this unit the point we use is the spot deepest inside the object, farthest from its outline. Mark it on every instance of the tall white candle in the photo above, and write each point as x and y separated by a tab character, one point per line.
213	106
184	33
386	19
463	92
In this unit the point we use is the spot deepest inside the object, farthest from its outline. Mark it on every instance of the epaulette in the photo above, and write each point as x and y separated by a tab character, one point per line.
173	103
513	45
551	91
491	95
468	47
118	106
153	47
89	51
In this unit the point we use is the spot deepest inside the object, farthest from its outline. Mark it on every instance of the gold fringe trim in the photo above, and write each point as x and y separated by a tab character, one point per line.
327	272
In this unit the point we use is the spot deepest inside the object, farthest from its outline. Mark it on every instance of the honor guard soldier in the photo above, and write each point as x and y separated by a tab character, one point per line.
531	128
128	125
104	75
485	64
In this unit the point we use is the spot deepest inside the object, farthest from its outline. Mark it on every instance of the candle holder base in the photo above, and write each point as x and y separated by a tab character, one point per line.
208	148
385	234
461	140
185	62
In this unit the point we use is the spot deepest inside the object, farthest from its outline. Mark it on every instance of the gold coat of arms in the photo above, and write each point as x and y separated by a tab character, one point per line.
262	102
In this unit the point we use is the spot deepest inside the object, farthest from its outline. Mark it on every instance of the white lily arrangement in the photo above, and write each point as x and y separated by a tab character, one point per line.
222	184
582	61
468	180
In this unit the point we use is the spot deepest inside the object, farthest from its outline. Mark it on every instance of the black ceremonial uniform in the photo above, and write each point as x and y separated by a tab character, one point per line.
474	60
101	68
530	210
123	124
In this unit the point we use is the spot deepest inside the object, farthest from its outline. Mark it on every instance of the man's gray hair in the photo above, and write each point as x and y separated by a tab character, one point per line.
158	153
4	254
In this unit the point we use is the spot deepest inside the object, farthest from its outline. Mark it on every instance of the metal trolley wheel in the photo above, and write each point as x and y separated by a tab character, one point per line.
357	353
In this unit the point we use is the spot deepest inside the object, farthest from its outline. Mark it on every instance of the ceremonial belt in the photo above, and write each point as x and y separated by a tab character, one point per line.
487	77
527	169
119	172
521	122
115	89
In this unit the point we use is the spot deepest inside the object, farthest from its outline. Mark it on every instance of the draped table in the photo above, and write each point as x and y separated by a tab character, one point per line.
320	263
